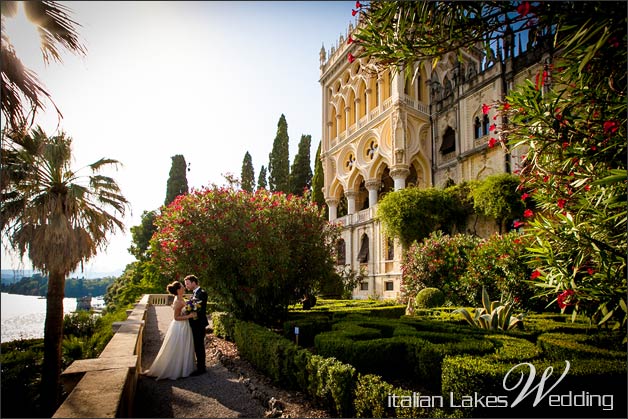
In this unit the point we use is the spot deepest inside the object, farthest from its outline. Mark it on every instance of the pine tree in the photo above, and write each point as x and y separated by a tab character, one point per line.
261	180
301	171
279	161
248	174
177	180
317	180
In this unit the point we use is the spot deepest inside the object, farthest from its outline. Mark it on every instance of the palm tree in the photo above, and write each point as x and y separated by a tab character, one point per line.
20	84
60	219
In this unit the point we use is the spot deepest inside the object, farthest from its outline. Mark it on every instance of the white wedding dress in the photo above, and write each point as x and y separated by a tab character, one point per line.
176	355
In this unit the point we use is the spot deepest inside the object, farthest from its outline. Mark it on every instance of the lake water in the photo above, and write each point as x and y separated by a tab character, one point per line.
23	316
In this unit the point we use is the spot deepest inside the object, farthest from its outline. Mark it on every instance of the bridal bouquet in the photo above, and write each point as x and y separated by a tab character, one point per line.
191	306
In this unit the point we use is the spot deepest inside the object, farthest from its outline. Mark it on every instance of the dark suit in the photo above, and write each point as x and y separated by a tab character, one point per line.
198	328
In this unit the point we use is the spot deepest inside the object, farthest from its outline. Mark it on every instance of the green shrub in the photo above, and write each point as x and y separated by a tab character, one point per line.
569	346
510	348
371	394
21	362
333	383
224	324
79	323
429	297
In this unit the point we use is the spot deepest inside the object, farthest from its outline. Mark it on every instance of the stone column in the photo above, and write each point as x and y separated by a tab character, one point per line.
399	175
330	136
373	186
368	101
351	201
347	110
338	131
332	204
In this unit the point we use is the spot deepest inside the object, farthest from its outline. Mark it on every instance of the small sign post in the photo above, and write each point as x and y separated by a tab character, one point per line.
296	334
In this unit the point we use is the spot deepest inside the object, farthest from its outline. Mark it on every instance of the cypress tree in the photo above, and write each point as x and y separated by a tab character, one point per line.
261	180
177	180
301	172
318	180
279	161
248	174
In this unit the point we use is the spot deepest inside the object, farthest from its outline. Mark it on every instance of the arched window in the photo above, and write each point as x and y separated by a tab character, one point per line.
477	128
449	141
341	252
363	255
485	125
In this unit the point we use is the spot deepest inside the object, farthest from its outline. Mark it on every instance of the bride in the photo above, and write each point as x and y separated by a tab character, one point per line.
176	355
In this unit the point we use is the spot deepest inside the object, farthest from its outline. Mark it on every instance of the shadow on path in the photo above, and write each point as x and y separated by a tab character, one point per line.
217	394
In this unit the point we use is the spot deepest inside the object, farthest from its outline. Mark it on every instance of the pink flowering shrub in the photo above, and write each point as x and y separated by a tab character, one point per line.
437	262
256	253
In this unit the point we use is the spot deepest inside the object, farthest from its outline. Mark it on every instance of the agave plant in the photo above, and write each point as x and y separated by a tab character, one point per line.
493	316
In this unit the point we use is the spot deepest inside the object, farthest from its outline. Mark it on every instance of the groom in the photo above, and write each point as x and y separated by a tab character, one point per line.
199	323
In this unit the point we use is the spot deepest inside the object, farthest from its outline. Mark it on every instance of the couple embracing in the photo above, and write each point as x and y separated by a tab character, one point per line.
185	336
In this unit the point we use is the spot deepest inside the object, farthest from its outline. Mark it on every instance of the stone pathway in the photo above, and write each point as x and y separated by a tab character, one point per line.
217	394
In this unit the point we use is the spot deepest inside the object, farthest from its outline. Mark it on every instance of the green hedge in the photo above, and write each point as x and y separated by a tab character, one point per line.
325	379
569	346
465	376
223	324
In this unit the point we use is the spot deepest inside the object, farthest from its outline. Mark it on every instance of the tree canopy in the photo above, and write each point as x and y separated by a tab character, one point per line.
279	160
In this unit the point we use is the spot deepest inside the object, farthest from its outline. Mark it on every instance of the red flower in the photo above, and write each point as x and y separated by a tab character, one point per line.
492	128
590	271
350	57
492	142
523	9
565	299
525	196
614	42
561	203
535	274
587	187
528	213
354	12
565	144
350	40
518	224
485	109
611	127
506	106
358	5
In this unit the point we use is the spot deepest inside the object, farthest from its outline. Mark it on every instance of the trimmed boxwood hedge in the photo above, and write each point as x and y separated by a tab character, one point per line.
325	379
568	346
466	376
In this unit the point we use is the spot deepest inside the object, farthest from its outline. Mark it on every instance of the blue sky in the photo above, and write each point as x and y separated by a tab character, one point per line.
208	80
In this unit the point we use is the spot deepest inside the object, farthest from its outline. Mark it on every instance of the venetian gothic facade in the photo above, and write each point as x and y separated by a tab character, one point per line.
382	133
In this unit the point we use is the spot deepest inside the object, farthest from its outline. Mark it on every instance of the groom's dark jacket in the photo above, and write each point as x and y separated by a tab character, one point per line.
201	314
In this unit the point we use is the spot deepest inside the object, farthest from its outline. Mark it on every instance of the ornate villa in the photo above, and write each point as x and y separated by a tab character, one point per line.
382	133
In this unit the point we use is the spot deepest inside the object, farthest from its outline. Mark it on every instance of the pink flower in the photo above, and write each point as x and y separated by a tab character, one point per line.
358	5
525	196
350	40
590	271
565	299
524	8
561	203
354	12
485	109
528	213
492	142
506	106
535	274
518	224
350	57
